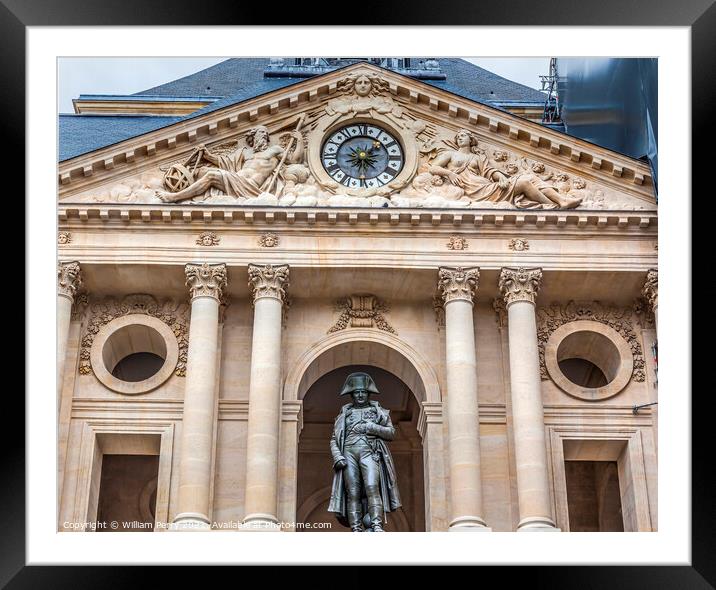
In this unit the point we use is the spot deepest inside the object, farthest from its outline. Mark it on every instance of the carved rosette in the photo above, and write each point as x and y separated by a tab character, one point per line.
618	318
173	314
269	281
457	284
362	311
68	279
651	288
520	284
206	280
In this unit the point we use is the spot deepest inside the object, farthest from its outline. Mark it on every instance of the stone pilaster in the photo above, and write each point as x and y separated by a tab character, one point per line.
457	288
206	283
519	287
268	285
69	280
651	293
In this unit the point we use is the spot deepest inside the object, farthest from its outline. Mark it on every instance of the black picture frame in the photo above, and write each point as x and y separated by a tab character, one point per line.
700	15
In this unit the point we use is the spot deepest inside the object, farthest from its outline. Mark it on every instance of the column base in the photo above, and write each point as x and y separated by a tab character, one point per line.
190	521
468	524
537	524
260	523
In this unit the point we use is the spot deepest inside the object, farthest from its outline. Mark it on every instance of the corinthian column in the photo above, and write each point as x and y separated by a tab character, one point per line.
457	287
268	284
68	281
205	283
651	294
519	287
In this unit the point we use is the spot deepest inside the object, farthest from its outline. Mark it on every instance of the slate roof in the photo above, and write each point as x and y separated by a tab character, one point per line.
239	79
230	76
475	83
79	134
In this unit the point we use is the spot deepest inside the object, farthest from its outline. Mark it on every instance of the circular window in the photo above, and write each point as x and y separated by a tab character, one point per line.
134	354
588	360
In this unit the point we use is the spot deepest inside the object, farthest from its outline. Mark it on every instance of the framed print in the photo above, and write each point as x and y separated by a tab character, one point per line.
357	263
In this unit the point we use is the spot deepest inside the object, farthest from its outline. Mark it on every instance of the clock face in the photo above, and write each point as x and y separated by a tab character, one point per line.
362	156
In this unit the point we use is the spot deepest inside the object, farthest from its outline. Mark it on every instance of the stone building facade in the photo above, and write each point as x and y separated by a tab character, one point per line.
219	277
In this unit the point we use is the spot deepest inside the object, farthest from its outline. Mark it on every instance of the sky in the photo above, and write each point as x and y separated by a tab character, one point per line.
127	75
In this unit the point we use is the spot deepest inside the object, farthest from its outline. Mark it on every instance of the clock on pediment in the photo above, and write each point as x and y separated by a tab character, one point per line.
362	155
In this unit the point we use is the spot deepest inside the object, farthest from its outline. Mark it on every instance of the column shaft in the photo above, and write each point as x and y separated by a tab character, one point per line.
528	418
198	421
457	288
463	416
520	287
64	315
264	414
262	446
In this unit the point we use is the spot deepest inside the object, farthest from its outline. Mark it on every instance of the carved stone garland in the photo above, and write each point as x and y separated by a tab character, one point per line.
362	311
173	314
620	319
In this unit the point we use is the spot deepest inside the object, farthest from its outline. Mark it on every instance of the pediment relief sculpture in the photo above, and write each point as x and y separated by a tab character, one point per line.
365	145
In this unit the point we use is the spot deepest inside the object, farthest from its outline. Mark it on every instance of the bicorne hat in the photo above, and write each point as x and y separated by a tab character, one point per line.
359	381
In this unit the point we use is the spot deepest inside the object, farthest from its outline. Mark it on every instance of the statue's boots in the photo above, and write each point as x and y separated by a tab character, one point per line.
376	518
354	520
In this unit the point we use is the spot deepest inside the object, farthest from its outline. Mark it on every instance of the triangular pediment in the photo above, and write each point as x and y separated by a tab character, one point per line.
359	136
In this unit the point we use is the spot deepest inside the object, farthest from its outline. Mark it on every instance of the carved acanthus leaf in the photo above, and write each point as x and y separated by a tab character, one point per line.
651	288
520	284
269	281
457	283
206	280
498	304
68	279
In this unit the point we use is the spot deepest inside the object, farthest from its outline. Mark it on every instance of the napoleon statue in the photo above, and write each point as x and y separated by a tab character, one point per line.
365	486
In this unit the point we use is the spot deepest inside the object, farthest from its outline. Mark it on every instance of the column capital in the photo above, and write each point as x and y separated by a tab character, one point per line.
206	280
520	284
268	280
650	290
457	283
68	279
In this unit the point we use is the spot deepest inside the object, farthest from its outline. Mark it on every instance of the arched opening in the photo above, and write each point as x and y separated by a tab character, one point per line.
321	405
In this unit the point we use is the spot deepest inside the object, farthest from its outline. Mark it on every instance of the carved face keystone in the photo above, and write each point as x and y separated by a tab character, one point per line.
363	86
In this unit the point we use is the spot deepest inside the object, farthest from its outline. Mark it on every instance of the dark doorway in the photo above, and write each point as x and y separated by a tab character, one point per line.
128	493
593	496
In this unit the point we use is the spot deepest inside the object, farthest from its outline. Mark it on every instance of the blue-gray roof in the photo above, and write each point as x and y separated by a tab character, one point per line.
239	79
475	83
230	76
79	134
